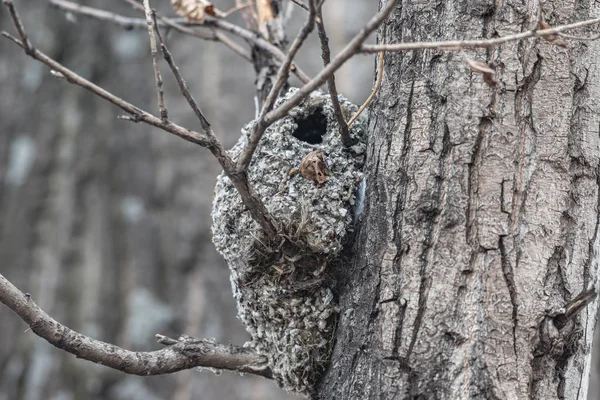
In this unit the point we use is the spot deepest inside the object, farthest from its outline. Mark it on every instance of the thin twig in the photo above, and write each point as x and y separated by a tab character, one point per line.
352	48
582	38
256	40
333	94
240	180
179	24
233	9
138	114
284	71
282	77
130	23
249	15
179	355
217	36
300	4
374	92
121	20
164	115
455	45
25	43
183	88
226	26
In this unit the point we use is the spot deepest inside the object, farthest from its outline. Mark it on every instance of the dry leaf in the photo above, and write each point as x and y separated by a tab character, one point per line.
314	168
265	11
269	25
194	10
489	75
553	38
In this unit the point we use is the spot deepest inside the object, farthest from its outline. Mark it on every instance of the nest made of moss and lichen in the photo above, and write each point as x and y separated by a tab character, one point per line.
281	284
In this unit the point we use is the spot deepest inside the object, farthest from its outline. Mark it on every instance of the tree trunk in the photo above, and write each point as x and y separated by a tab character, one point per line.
481	216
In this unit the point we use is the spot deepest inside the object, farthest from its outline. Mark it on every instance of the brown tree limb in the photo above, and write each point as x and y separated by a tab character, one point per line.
282	77
352	48
184	354
333	94
575	306
240	180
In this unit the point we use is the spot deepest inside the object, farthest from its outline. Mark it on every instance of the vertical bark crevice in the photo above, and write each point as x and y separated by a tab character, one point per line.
509	278
524	118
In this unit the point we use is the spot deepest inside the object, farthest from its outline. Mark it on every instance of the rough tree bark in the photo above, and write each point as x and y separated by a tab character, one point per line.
481	218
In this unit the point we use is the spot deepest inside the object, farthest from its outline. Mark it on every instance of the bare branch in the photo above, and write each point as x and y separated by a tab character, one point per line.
121	20
284	71
138	114
130	23
235	8
184	354
373	93
183	88
256	40
217	36
281	79
352	48
248	15
300	4
164	116
582	38
575	306
240	181
25	43
455	45
333	94
249	36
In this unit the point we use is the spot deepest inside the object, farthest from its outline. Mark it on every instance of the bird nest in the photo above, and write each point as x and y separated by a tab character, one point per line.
308	182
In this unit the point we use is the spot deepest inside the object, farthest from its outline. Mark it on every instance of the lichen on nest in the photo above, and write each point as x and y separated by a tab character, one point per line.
282	287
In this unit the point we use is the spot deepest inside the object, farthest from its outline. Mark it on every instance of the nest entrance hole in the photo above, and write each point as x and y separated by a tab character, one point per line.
312	127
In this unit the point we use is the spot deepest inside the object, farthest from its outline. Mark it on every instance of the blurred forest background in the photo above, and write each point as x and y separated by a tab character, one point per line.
107	223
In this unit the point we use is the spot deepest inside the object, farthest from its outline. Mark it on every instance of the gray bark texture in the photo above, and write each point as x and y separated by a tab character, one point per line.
481	217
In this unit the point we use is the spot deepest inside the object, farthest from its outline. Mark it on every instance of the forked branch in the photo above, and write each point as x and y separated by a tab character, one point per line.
333	94
181	354
206	138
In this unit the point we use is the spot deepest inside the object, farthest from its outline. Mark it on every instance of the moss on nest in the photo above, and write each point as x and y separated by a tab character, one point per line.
281	285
